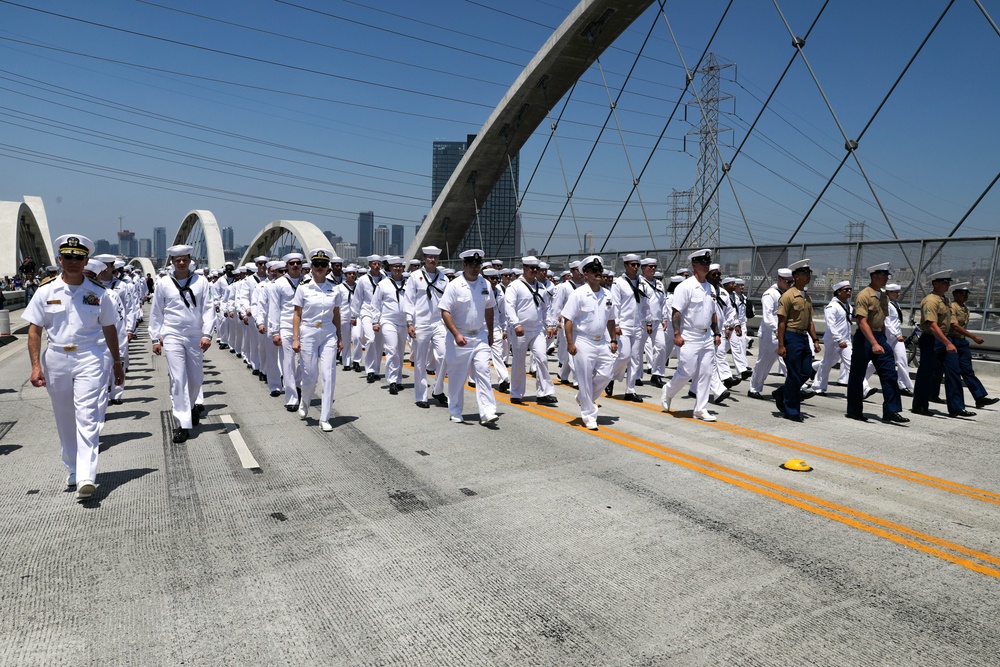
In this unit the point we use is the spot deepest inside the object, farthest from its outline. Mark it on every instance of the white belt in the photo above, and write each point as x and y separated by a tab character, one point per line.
69	349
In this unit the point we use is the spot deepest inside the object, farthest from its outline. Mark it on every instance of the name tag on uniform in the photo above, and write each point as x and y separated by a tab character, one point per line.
54	302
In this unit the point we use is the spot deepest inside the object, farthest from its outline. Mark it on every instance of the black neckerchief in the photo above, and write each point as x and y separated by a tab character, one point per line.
535	295
899	313
847	308
635	288
653	285
373	282
399	288
257	278
350	290
295	286
432	284
718	297
186	288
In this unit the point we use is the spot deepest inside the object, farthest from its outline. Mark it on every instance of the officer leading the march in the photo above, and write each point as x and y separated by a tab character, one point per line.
79	317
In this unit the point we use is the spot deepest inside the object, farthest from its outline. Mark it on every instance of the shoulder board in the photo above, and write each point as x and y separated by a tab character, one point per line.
45	281
95	283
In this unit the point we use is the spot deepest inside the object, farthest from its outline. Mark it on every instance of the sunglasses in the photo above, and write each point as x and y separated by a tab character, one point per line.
321	265
294	263
66	256
281	270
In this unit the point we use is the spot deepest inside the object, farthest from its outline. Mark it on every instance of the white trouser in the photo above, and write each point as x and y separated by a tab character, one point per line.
498	352
347	336
430	342
224	325
595	363
78	387
357	343
902	365
722	369
767	354
394	342
373	347
738	346
629	361
291	368
263	343
567	360
472	360
658	347
695	361
237	334
832	353
184	363
319	363
117	390
272	363
534	342
250	343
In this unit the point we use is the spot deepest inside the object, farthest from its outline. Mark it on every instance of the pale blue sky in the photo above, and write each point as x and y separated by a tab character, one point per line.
343	116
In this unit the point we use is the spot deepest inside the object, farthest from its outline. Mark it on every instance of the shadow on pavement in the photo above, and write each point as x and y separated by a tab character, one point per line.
109	481
127	414
109	441
7	449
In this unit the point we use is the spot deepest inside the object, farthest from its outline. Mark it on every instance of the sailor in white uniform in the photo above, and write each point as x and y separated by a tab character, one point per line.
387	308
181	320
467	310
424	289
589	321
79	319
526	304
631	298
351	333
316	334
279	324
767	347
361	310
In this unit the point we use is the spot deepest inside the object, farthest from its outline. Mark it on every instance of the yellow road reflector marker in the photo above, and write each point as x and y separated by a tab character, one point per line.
796	465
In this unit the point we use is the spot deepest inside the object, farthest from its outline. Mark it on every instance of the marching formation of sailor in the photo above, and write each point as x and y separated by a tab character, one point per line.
294	321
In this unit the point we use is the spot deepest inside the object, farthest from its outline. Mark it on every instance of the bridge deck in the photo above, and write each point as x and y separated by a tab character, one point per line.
403	539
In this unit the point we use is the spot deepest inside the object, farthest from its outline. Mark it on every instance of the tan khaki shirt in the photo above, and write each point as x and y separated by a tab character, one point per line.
934	308
961	317
797	308
873	306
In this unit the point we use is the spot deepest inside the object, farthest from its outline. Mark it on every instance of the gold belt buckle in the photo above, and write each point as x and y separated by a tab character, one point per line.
318	325
69	348
597	338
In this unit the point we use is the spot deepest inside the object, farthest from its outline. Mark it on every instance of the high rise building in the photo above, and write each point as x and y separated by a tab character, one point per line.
127	245
366	229
396	239
381	241
332	238
145	248
498	228
346	251
228	238
102	246
588	243
160	243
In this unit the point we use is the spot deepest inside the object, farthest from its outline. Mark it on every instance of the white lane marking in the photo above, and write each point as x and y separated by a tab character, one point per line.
246	458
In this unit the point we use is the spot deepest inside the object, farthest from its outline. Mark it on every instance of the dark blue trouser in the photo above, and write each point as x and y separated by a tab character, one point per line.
934	358
965	368
798	367
885	366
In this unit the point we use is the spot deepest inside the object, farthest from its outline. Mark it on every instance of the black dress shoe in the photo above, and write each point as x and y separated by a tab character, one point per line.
732	382
723	396
517	401
423	404
472	384
504	387
356	367
806	395
180	435
746	374
961	413
871	392
441	399
371	378
199	408
393	389
921	411
547	400
980	402
657	382
430	372
693	395
118	401
276	392
894	417
347	368
255	372
638	382
632	398
779	398
609	391
755	394
860	418
905	392
294	407
195	418
795	418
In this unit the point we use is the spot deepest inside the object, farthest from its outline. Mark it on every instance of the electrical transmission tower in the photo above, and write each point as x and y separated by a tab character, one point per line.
855	235
706	199
681	215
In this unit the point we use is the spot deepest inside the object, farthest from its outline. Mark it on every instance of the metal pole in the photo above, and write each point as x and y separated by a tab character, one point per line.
987	299
915	284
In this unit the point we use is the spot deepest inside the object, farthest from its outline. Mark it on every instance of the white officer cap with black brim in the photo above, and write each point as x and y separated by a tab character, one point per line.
472	256
884	266
320	255
961	287
704	256
941	275
592	263
800	265
76	245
